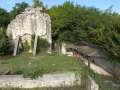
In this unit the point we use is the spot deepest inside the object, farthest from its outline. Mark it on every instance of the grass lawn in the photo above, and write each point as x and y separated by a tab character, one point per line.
32	67
57	88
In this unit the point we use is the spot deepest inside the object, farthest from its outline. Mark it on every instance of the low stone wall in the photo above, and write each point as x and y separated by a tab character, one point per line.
47	80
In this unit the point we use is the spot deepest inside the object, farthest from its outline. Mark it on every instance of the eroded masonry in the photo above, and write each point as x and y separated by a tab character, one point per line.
33	21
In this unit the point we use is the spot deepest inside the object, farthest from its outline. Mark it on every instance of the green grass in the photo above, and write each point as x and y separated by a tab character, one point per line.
34	66
57	88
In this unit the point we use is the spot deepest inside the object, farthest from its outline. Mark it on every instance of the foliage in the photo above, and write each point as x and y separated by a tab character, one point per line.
37	3
42	45
73	23
4	18
3	42
25	46
17	9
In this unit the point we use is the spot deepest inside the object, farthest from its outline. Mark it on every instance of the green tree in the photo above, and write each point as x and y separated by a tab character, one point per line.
17	9
37	3
3	42
4	18
73	23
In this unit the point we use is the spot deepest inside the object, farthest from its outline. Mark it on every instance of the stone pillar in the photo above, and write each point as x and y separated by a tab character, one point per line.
48	31
63	48
35	45
16	46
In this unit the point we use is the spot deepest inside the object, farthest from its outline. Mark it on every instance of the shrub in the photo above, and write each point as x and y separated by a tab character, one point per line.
42	45
26	46
3	42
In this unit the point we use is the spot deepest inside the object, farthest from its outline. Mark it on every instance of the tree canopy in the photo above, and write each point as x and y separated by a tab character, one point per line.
4	18
73	23
3	42
17	9
37	3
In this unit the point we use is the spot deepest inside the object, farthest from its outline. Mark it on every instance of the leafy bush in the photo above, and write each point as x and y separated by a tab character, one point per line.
42	45
4	18
3	42
26	46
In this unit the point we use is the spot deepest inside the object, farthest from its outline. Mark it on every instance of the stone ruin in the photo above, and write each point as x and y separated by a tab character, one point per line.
33	21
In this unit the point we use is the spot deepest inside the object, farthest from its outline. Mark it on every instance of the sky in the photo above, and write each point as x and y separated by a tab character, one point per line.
101	4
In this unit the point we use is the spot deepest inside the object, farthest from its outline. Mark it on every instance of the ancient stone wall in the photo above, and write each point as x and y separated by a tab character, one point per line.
28	23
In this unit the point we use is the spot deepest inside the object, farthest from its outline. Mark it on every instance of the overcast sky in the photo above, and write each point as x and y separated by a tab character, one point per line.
101	4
